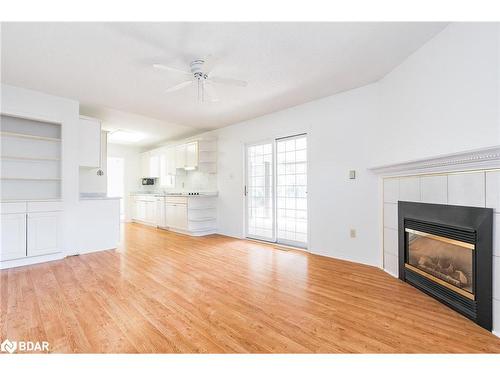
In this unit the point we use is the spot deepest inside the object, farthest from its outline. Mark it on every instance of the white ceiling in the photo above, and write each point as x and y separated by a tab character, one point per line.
109	65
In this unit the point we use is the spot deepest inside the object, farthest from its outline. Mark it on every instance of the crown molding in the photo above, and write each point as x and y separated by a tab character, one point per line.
483	158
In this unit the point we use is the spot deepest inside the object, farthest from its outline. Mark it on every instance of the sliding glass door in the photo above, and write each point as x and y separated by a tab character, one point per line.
260	191
276	191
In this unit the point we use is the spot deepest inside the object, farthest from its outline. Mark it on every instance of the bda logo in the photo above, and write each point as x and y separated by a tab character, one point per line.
8	346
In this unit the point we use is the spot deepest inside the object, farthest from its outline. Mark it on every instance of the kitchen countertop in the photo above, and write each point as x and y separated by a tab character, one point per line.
180	194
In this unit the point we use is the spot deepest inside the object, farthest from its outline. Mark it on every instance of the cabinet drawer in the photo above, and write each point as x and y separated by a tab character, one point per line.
44	206
176	200
13	207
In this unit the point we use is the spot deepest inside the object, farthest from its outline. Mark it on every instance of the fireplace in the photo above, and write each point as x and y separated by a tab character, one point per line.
446	251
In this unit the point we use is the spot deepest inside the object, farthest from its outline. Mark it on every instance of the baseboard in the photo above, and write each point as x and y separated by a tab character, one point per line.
496	333
31	260
390	273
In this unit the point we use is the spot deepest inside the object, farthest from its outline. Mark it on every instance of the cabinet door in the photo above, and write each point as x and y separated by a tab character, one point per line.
89	143
145	164
140	210
160	213
176	215
154	165
180	156
43	233
13	236
151	212
192	155
171	164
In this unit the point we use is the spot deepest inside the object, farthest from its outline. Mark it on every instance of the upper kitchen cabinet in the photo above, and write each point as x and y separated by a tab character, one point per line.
200	155
89	146
150	164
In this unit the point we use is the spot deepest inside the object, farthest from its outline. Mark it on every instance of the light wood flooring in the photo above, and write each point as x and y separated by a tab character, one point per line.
163	292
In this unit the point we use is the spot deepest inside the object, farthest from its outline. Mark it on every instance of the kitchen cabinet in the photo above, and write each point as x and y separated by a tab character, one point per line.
191	155
42	233
180	156
89	142
161	219
176	215
150	164
144	209
13	236
186	156
167	167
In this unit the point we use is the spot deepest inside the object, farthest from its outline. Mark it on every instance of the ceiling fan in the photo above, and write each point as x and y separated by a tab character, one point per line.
199	74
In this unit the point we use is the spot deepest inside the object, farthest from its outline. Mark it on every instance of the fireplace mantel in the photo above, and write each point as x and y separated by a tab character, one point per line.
484	158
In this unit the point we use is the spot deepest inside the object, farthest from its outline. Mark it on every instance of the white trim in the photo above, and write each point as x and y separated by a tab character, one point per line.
496	333
483	158
31	260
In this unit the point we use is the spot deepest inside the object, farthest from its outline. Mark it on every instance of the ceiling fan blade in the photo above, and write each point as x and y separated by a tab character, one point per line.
170	69
210	92
228	81
179	86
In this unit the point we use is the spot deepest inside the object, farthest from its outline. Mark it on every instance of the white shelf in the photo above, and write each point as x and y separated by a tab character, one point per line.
27	158
28	136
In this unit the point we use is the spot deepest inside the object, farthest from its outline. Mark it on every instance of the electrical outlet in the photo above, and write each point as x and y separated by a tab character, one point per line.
353	233
352	174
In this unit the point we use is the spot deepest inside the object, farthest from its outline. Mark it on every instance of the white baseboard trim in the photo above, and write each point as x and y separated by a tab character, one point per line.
390	273
31	260
496	333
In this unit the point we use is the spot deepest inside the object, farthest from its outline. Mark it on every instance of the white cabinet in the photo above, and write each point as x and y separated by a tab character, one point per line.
145	164
144	209
150	209
176	214
13	236
89	142
180	156
42	233
167	167
150	164
186	155
161	219
191	155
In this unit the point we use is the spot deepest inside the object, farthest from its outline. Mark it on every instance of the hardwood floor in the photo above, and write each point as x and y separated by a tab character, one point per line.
168	293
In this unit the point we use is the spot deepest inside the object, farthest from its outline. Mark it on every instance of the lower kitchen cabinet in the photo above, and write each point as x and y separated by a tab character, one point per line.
176	214
42	233
13	236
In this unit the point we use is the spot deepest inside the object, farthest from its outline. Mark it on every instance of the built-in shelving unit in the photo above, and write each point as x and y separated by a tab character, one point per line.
30	159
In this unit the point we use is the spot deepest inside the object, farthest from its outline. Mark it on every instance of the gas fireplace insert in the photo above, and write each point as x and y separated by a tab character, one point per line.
446	251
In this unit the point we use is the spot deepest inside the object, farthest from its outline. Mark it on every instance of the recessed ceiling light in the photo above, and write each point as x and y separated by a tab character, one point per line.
125	136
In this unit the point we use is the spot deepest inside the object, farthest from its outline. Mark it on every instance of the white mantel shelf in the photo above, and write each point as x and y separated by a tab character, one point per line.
484	158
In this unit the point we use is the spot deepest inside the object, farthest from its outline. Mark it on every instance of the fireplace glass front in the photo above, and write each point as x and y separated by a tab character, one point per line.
443	260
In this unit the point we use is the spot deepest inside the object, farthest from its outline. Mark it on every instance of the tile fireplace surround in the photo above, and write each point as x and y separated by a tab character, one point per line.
467	179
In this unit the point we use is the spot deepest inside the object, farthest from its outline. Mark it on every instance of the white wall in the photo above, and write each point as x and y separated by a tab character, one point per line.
132	171
443	98
65	111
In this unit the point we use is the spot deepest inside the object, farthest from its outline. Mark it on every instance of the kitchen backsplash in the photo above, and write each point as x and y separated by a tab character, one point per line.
187	181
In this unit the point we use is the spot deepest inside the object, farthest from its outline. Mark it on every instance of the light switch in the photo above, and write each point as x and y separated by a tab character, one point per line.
352	174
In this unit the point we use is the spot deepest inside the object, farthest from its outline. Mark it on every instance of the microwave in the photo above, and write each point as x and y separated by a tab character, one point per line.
148	181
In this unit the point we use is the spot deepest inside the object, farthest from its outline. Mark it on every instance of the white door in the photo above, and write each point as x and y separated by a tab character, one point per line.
260	191
13	236
291	190
154	165
43	233
141	210
160	212
89	143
